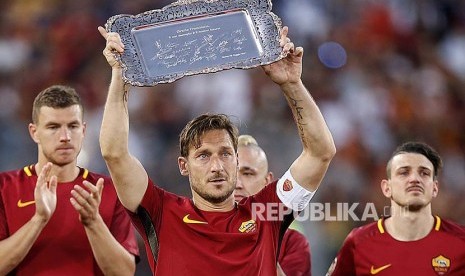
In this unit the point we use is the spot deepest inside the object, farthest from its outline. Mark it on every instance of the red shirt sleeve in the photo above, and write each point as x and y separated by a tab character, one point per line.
123	230
294	256
345	265
3	224
4	233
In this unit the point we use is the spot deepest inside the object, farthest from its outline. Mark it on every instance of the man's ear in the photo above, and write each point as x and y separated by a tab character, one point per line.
182	164
269	177
33	132
386	188
435	188
84	128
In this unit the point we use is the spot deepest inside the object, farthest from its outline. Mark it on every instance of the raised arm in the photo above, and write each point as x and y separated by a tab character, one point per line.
15	248
128	174
318	145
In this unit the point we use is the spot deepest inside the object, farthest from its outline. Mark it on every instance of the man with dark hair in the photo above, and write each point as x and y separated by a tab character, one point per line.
411	241
210	234
294	254
53	220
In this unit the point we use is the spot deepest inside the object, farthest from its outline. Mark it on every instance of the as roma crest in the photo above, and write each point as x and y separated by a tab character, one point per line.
440	264
287	186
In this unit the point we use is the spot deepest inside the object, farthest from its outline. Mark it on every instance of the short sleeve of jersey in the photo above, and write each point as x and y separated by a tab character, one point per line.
152	203
267	206
267	194
4	230
344	263
3	224
123	231
294	257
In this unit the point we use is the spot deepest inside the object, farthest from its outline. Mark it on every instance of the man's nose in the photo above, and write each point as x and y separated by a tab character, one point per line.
65	135
415	177
239	183
216	164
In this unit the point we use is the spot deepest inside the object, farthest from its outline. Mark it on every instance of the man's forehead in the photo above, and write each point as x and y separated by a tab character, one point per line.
213	138
52	110
411	160
250	149
71	113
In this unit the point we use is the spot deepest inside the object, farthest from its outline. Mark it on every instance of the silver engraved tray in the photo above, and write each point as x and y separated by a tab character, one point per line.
191	37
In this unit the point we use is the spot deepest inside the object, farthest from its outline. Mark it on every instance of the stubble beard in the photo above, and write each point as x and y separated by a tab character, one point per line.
59	161
409	206
217	199
214	198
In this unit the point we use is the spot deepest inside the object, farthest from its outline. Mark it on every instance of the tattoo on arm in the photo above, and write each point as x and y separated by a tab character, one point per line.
125	99
297	112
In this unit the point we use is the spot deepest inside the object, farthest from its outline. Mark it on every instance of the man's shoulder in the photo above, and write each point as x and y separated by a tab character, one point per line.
367	232
296	238
294	234
11	175
90	175
268	192
167	196
452	228
10	172
109	189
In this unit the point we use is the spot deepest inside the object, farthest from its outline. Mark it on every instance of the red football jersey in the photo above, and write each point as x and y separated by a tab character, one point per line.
62	247
188	241
294	256
370	250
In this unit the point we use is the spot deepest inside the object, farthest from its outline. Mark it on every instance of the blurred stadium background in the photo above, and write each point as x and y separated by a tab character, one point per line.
382	72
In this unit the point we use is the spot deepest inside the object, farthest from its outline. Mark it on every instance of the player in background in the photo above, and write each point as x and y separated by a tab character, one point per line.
294	256
57	218
412	241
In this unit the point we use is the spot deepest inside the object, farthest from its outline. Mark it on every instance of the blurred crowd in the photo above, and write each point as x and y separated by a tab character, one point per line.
382	72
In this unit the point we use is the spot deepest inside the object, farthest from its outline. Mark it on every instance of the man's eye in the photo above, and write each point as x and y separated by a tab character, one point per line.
426	173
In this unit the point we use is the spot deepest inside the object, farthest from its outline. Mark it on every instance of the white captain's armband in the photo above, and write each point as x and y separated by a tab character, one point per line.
292	194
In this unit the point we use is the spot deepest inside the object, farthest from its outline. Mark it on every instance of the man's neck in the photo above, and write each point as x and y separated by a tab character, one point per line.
205	205
408	225
65	173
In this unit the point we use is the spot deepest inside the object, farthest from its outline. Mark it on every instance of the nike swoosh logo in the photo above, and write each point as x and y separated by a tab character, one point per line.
187	220
374	270
24	204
